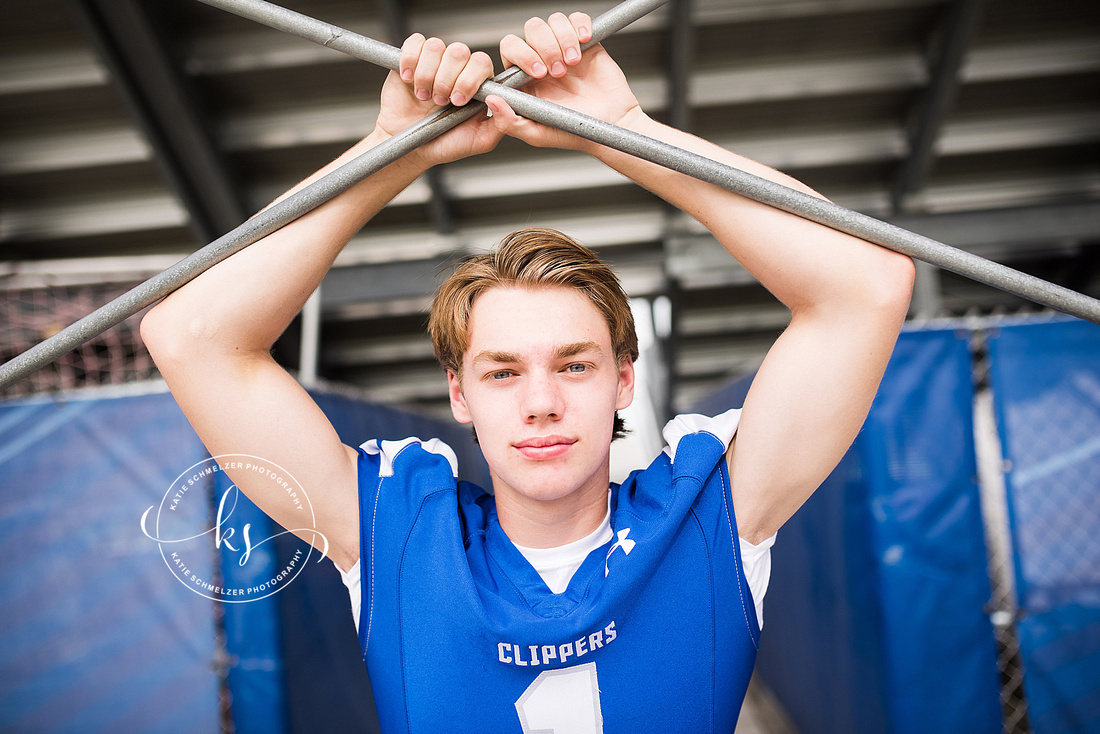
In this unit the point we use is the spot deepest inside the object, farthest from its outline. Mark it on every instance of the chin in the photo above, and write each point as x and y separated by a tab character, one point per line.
548	486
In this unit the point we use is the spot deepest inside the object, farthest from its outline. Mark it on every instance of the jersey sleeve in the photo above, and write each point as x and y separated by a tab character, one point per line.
755	559
377	461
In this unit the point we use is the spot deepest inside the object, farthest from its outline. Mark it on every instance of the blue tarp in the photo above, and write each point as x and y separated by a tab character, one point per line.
927	541
96	634
1046	381
874	618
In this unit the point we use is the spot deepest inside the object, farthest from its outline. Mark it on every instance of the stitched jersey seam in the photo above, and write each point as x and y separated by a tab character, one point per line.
713	616
726	495
373	527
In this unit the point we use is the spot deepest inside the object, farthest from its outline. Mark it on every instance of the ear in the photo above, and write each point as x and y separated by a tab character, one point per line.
458	400
626	384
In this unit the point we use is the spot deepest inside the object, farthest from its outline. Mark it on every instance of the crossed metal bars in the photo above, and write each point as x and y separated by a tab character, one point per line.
506	86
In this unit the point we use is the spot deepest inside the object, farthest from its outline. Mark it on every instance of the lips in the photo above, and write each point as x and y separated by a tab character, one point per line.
544	447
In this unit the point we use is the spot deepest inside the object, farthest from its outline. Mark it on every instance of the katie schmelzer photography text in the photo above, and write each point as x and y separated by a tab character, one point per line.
204	511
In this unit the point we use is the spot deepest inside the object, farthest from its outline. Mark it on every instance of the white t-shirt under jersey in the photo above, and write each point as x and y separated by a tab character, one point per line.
557	565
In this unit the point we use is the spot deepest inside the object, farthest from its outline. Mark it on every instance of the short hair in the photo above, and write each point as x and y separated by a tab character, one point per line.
531	258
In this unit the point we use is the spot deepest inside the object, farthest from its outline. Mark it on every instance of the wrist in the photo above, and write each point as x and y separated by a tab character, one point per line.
411	161
411	165
634	120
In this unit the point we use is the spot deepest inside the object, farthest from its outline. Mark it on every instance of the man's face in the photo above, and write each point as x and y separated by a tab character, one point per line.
541	385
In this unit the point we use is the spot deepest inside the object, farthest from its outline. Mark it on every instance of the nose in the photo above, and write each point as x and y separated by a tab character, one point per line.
542	398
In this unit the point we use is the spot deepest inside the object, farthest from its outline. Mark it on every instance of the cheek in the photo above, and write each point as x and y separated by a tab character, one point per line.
489	410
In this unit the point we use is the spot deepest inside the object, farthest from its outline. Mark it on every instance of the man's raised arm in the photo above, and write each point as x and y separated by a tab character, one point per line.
848	298
212	338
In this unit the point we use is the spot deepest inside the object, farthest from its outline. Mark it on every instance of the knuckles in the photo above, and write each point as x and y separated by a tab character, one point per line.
458	52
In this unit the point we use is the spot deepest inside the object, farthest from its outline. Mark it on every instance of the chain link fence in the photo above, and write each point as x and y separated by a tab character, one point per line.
31	315
1037	430
1002	606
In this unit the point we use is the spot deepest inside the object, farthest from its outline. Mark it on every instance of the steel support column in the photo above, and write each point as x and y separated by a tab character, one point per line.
680	51
152	89
956	34
439	206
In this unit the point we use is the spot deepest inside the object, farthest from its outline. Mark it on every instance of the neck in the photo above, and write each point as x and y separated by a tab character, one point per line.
549	523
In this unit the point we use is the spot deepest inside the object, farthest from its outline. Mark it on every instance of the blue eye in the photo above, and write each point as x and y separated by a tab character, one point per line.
577	368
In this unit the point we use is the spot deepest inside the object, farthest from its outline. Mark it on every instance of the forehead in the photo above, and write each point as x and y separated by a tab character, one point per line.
534	321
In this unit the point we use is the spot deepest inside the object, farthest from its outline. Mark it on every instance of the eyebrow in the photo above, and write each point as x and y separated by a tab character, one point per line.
572	350
565	351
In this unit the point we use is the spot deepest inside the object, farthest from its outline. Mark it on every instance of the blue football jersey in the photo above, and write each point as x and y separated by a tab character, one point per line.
656	631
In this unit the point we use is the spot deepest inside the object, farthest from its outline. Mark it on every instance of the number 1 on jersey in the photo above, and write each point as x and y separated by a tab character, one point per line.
560	701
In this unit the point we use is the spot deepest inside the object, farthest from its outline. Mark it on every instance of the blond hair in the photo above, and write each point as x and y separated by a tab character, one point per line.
529	258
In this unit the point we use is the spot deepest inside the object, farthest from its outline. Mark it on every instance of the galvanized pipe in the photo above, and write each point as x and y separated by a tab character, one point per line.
730	178
727	177
307	198
804	205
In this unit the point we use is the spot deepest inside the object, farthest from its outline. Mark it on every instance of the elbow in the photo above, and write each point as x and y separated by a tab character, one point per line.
875	287
881	287
171	336
157	334
893	287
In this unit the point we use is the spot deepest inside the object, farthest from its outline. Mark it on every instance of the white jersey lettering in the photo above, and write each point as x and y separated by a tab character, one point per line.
527	655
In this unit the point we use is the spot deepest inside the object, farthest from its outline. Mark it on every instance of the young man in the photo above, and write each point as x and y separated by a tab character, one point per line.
557	603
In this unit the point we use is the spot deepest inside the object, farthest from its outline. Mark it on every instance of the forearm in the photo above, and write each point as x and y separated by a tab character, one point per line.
848	300
804	264
239	307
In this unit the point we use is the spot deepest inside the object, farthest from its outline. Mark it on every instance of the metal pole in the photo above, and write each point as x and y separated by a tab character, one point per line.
307	198
727	177
310	348
803	205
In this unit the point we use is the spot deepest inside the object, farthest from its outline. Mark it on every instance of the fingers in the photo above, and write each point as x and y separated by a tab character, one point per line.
549	45
507	122
477	69
442	73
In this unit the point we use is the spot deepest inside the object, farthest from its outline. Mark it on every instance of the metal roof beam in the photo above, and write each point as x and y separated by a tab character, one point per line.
152	88
439	205
956	34
681	48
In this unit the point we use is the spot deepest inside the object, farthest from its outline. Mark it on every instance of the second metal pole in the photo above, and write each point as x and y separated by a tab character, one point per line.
730	178
302	201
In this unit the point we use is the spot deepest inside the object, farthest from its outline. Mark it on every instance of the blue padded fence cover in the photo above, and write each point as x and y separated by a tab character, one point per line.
820	650
256	675
95	633
873	620
1046	380
927	539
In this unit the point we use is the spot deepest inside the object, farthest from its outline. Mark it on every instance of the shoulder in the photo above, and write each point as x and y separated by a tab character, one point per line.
693	438
383	457
696	447
404	471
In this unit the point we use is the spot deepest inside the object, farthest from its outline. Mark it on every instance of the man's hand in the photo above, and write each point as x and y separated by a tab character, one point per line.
593	85
433	74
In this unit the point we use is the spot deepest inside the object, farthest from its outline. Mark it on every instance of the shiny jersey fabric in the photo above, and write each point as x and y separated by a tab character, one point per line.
655	632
